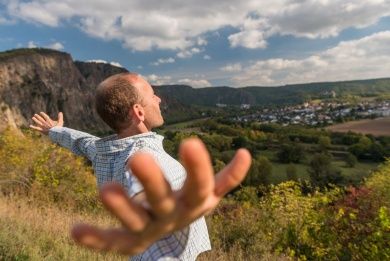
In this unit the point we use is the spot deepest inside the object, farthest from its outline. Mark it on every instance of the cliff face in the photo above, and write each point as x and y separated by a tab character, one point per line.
42	80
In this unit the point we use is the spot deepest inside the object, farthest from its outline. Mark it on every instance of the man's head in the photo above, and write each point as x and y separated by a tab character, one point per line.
126	99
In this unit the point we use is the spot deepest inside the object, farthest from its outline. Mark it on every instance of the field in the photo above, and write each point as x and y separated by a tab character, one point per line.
353	175
377	127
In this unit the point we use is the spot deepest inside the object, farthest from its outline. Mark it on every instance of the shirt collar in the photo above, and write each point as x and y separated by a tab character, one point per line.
111	144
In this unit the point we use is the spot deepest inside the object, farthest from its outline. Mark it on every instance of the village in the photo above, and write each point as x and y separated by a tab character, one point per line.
320	113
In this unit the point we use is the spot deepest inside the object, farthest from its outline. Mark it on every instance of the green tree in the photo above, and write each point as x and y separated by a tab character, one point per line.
350	160
260	172
322	172
291	172
292	152
324	142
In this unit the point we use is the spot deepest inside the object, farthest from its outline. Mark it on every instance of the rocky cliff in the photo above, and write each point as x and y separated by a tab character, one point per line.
34	80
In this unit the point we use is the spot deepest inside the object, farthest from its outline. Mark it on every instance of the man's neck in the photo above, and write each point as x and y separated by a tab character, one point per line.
132	130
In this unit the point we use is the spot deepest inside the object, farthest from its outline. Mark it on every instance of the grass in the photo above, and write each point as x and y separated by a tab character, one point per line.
35	232
353	175
279	172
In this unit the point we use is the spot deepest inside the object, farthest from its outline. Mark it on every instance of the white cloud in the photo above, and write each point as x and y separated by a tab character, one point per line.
201	41
31	44
236	67
144	25
96	61
250	39
207	57
251	34
56	46
116	64
188	53
158	80
104	61
195	83
368	57
162	61
166	80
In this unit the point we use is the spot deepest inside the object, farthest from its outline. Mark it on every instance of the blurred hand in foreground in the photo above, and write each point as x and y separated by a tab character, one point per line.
158	210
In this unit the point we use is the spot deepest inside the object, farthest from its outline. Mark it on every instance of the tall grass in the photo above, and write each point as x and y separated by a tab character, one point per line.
30	231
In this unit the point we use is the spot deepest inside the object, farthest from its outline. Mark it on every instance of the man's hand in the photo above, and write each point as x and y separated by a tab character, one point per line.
166	210
43	123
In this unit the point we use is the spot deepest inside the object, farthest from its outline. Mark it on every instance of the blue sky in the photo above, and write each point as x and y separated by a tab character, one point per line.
211	43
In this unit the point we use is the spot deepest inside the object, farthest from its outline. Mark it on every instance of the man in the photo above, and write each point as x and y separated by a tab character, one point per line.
163	220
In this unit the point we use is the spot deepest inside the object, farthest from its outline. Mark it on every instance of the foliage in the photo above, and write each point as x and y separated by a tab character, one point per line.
291	152
332	224
367	149
351	160
291	172
321	172
324	142
34	166
291	220
260	172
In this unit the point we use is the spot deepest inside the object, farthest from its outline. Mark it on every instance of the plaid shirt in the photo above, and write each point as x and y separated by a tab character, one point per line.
109	156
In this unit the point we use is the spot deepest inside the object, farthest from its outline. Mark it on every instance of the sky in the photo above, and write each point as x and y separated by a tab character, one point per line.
211	43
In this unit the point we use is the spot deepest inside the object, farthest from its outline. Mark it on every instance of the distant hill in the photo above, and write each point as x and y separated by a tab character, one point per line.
33	80
283	95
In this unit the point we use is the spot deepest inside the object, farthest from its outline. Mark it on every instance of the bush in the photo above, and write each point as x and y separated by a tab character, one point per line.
351	160
293	152
322	173
291	172
33	165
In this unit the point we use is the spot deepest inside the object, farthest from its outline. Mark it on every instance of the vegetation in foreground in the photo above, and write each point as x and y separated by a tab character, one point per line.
46	188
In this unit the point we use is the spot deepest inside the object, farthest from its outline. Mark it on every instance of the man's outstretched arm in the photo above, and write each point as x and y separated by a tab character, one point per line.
165	210
80	143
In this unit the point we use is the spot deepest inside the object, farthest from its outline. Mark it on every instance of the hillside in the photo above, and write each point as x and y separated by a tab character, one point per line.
283	95
33	80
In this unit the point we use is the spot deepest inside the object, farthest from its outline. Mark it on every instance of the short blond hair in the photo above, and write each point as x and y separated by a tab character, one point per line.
114	98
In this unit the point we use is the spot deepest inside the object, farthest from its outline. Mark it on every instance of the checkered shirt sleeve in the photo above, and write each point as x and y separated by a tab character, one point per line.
80	143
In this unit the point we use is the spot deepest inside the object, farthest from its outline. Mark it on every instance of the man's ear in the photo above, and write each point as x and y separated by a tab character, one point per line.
138	112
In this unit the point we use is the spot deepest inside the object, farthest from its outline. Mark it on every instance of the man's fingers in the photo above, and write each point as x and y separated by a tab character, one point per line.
37	121
36	128
118	240
39	118
132	215
157	190
232	175
46	117
200	176
60	119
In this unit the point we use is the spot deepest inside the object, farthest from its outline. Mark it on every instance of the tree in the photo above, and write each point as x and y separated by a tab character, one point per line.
265	170
377	152
291	172
321	171
293	152
351	160
260	172
324	143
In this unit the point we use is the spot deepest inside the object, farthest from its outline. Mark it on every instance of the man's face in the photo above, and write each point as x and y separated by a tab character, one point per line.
150	102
